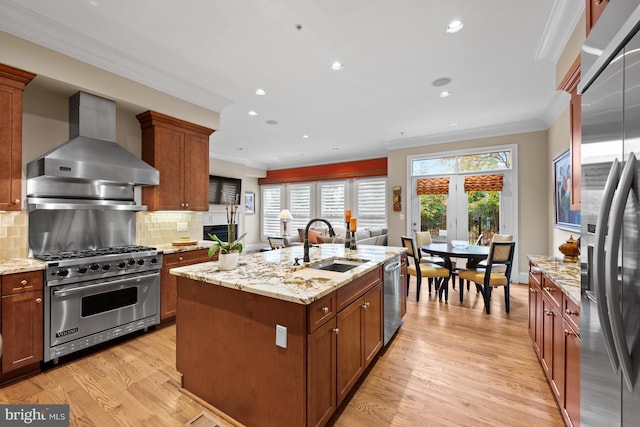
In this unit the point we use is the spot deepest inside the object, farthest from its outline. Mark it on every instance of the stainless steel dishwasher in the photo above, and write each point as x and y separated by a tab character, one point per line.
392	298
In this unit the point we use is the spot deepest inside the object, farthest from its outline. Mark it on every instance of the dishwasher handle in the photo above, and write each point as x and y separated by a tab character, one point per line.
390	268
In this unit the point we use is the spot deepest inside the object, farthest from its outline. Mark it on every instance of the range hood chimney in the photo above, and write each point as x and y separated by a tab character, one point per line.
92	154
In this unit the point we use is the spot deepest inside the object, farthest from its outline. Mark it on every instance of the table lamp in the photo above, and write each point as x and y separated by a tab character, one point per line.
285	216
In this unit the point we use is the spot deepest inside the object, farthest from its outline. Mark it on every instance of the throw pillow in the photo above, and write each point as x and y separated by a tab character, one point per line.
313	237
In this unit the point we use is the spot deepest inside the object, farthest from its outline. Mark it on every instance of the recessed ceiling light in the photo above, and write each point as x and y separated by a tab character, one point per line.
252	113
94	3
442	81
305	136
336	66
445	93
260	92
335	149
272	122
453	125
455	26
239	148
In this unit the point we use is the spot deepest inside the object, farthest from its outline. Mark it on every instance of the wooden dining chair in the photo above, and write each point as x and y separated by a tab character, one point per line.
419	270
500	254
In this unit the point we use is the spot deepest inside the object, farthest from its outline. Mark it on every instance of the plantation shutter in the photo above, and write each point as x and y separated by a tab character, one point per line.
332	201
271	207
371	202
483	183
299	206
432	186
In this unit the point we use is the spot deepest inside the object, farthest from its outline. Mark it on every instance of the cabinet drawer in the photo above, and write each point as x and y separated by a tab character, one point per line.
552	291
199	255
321	310
535	275
351	291
571	312
21	282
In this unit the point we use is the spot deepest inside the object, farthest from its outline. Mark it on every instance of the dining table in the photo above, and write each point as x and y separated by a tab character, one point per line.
472	253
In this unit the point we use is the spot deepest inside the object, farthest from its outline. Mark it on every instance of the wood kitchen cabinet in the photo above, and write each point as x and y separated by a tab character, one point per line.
554	331
169	282
403	281
180	152
322	373
569	84
594	9
12	84
22	322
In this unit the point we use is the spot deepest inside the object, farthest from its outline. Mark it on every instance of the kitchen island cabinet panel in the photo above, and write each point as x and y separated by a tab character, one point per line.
169	282
321	373
12	84
350	348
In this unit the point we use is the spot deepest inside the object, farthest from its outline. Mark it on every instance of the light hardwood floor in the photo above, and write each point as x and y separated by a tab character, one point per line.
449	365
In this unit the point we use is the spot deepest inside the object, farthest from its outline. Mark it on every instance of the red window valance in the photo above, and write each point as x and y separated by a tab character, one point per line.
483	183
432	186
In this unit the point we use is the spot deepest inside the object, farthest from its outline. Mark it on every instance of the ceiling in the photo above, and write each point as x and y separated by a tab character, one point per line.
216	53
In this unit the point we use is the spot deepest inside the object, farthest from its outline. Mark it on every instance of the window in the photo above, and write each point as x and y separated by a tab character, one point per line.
371	202
300	196
332	201
271	207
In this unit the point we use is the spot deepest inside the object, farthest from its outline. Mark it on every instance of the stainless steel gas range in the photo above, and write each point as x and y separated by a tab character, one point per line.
82	200
92	296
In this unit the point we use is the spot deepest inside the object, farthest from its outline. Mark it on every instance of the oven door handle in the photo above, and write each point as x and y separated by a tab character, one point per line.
69	291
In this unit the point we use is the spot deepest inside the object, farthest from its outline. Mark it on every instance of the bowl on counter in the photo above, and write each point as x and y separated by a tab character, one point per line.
459	243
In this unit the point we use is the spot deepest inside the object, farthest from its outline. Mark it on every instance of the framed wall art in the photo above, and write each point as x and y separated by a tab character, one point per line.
565	218
249	203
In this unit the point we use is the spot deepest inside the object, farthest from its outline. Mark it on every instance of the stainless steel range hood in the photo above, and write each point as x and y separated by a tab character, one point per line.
90	171
92	153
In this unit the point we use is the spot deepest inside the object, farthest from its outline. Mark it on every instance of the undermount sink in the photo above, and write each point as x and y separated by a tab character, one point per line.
338	265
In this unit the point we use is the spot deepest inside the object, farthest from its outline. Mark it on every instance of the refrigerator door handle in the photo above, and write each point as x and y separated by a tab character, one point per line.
613	291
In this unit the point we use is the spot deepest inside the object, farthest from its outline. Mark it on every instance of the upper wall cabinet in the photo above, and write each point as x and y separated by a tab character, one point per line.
180	152
570	85
594	10
12	83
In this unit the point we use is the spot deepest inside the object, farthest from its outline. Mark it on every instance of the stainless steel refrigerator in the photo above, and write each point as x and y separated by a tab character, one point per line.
610	311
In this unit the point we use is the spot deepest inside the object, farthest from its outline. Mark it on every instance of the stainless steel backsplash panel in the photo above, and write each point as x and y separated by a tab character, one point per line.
63	230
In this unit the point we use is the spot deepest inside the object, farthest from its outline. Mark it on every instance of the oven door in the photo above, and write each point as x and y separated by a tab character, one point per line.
81	310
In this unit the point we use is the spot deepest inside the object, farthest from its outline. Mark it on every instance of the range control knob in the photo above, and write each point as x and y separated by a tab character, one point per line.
94	267
140	262
62	272
131	261
106	266
122	264
82	269
154	260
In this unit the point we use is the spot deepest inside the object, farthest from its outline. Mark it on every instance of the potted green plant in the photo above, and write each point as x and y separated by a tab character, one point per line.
229	251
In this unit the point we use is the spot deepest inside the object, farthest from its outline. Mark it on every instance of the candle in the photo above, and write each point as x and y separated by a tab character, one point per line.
347	214
352	224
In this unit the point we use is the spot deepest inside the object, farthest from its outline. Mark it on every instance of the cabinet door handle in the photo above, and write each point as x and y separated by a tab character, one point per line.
187	204
548	312
548	289
568	332
598	2
180	258
365	305
16	202
23	282
325	310
533	291
571	312
38	300
182	205
336	330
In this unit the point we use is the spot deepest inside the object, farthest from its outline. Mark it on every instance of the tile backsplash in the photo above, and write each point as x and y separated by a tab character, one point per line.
157	228
14	235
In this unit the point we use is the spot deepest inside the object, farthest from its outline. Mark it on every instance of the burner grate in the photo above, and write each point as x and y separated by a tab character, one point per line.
86	253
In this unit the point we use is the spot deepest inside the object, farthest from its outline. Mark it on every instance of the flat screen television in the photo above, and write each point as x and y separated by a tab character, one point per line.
223	189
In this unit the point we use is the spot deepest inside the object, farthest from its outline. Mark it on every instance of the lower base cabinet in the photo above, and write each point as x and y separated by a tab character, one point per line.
169	283
22	321
554	332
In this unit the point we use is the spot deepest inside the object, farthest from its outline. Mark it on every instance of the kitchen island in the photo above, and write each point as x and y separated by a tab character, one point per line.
272	343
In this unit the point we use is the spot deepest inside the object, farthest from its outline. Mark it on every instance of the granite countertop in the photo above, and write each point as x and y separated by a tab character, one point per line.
21	265
565	275
168	248
273	273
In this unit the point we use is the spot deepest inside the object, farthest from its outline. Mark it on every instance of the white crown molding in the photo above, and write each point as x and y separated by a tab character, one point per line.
557	104
23	23
562	20
468	134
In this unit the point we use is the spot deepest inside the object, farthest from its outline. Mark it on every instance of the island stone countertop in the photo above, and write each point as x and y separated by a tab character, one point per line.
565	275
21	265
274	274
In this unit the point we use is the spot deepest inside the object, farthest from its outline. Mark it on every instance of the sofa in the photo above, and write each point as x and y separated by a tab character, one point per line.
319	235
